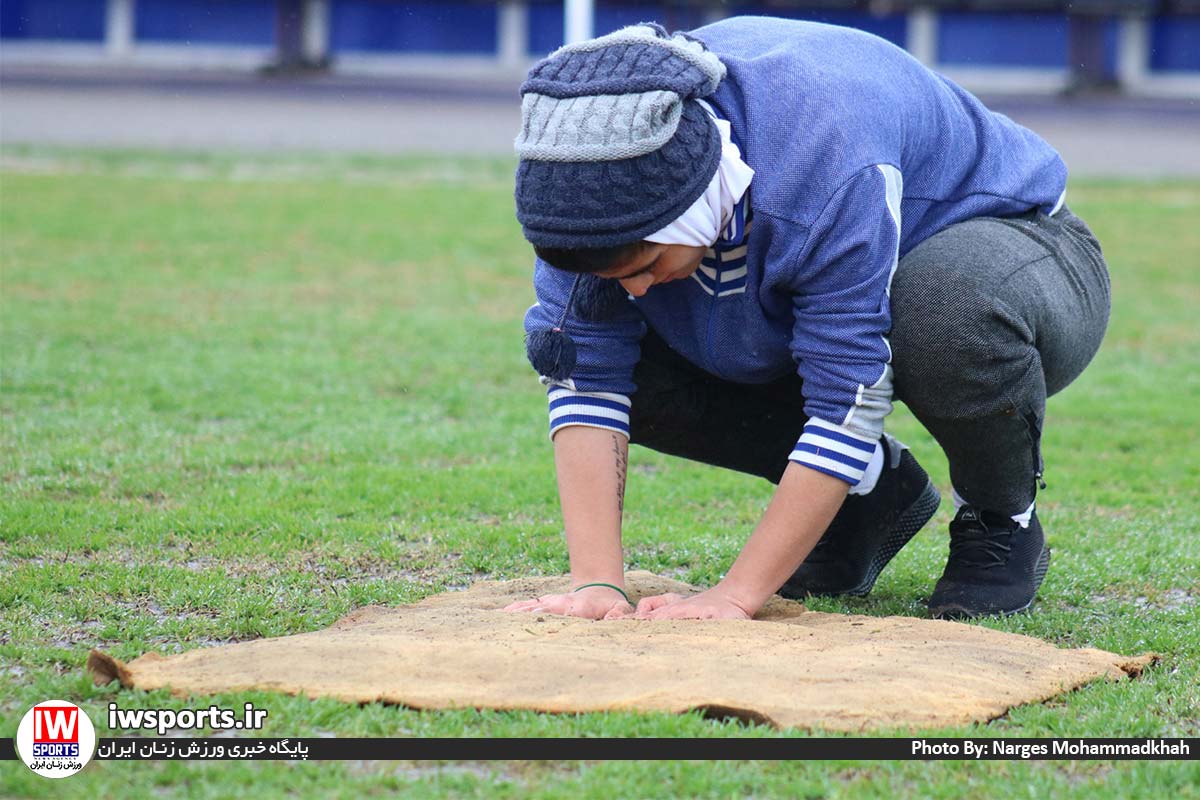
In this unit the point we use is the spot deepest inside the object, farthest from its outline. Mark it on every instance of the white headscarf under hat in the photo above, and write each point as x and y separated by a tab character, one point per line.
702	223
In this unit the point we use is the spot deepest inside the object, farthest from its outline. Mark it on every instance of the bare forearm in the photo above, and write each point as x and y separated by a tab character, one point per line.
804	504
591	464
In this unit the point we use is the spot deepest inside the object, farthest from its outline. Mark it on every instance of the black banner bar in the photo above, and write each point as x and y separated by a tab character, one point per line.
775	749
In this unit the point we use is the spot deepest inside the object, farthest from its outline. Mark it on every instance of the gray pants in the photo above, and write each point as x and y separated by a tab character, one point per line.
989	318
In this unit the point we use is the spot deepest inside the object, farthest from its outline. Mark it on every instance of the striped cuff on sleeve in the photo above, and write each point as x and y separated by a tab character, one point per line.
834	450
593	409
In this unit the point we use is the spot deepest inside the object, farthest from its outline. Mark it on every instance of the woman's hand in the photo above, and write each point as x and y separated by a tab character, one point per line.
711	604
594	602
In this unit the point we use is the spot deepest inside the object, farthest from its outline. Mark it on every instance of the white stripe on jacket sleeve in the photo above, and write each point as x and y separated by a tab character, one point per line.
834	450
591	409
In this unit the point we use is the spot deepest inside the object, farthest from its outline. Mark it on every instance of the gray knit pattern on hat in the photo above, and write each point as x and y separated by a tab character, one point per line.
599	127
614	97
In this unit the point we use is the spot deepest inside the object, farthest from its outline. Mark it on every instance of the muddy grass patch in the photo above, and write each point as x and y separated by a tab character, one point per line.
1151	598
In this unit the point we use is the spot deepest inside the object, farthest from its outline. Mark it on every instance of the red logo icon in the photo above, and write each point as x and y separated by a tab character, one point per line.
55	732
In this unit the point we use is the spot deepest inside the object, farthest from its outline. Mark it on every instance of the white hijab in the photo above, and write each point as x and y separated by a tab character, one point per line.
703	222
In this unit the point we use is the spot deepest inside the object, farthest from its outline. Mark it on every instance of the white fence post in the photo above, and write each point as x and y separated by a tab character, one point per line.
922	37
119	28
512	32
579	20
1133	52
314	31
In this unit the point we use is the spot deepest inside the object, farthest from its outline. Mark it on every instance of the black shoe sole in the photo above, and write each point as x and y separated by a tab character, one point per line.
958	612
906	527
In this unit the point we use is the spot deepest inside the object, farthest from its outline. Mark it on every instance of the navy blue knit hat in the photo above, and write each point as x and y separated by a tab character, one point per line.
613	146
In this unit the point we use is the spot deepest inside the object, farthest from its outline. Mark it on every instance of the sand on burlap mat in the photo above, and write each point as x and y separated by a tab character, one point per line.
789	667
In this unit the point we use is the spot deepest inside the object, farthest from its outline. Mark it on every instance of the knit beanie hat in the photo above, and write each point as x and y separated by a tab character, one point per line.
613	146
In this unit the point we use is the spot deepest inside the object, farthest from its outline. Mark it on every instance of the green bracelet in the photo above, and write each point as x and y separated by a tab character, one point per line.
609	585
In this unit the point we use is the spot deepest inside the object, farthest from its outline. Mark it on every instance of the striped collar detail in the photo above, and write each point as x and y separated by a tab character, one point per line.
739	223
722	271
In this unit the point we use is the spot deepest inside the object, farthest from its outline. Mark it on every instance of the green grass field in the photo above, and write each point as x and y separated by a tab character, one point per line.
240	400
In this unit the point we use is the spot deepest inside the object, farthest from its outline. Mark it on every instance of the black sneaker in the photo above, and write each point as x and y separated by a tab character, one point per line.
868	531
995	566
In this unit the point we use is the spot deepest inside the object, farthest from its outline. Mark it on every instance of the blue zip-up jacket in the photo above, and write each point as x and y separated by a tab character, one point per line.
860	153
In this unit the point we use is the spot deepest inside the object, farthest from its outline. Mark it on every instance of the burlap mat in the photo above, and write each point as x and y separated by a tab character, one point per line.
789	667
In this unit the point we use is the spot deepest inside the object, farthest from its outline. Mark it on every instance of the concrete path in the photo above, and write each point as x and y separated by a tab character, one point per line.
1097	136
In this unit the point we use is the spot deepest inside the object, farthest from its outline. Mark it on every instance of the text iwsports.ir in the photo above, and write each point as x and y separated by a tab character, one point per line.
165	719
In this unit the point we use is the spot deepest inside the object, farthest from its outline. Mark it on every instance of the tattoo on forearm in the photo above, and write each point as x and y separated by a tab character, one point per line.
622	469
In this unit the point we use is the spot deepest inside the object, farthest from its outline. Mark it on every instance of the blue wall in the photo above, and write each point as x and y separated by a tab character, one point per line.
72	20
893	27
545	27
1175	43
469	27
1013	40
206	21
429	27
1010	40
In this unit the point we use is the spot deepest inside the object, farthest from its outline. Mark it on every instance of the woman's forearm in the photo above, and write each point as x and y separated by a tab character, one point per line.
804	504
591	464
